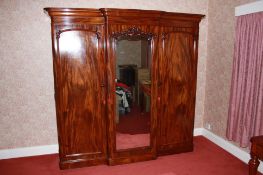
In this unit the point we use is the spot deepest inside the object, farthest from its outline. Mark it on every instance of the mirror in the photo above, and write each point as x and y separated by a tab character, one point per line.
133	93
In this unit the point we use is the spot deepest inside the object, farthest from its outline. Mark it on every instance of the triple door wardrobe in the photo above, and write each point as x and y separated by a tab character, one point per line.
101	119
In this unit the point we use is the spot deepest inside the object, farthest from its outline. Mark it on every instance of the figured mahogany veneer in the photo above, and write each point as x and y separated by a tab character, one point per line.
256	154
84	58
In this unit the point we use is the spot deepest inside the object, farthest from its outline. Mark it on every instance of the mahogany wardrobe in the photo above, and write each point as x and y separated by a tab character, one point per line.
93	97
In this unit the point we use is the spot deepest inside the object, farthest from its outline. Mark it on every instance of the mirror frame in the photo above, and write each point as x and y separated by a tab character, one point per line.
138	153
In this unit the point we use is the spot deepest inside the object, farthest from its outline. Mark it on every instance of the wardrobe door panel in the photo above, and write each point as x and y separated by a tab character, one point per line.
177	74
80	95
131	33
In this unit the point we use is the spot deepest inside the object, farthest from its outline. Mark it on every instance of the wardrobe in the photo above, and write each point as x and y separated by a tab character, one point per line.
85	43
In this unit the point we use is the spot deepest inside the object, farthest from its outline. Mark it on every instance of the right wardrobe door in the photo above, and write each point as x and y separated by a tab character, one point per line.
177	84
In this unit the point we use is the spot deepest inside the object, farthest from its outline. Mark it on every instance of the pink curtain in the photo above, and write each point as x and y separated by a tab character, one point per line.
245	115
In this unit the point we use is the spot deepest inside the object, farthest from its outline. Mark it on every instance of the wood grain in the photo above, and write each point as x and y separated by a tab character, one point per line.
84	59
78	50
81	107
177	88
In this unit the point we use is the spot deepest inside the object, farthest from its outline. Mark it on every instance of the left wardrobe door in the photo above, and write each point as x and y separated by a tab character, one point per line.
78	60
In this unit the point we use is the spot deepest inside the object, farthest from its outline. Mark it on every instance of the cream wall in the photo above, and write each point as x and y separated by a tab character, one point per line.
219	62
128	52
27	109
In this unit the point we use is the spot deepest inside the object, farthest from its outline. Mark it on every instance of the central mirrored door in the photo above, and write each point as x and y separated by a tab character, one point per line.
132	97
133	93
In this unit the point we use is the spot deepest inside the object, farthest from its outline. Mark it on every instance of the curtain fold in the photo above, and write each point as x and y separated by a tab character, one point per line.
245	115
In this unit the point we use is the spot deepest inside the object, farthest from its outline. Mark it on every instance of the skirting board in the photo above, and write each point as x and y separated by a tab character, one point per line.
51	149
229	147
28	151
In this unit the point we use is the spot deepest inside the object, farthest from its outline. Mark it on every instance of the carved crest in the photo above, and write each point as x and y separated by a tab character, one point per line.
133	33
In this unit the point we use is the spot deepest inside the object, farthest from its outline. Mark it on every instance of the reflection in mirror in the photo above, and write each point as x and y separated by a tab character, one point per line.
133	103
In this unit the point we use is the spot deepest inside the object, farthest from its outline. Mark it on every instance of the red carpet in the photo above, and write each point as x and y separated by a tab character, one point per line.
207	159
134	122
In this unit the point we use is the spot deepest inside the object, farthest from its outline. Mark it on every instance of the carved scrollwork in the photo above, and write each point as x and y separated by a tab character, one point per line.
133	33
58	34
164	35
98	35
